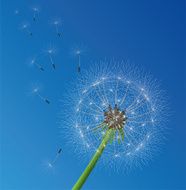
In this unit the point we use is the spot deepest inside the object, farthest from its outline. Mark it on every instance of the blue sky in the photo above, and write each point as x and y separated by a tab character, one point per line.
151	34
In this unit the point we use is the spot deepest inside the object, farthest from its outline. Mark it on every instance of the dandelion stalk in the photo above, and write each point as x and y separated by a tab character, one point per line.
94	160
114	121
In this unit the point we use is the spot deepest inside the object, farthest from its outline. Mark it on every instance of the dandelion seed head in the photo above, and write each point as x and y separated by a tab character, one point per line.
121	98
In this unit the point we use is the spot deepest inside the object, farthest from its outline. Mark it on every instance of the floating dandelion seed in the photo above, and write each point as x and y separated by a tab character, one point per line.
78	54
26	27
35	13
36	92
34	62
117	114
52	163
51	53
57	24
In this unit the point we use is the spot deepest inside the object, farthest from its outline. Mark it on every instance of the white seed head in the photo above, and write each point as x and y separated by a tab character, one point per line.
109	84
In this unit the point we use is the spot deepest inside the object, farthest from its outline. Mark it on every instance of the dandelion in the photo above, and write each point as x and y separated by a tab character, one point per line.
78	53
34	62
52	163
36	91
122	111
57	24
26	28
35	13
50	54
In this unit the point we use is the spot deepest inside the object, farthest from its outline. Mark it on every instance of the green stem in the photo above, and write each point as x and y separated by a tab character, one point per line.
93	162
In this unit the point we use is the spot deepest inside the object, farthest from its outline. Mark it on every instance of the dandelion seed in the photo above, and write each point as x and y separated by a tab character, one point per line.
81	133
131	128
84	91
34	62
57	24
128	153
148	136
35	13
50	54
103	104
142	89
37	93
111	90
116	155
78	53
53	162
26	28
96	118
153	109
141	145
102	132
146	97
137	149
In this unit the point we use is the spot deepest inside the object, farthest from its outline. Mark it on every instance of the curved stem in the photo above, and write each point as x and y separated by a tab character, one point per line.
93	161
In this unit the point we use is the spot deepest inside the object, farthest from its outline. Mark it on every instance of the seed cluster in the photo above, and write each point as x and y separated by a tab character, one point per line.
115	118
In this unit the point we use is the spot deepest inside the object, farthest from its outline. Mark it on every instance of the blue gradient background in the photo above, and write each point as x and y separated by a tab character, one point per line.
149	33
